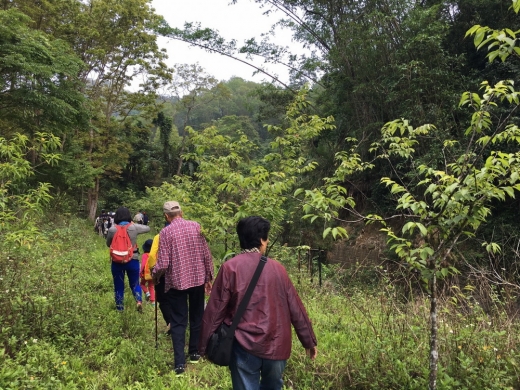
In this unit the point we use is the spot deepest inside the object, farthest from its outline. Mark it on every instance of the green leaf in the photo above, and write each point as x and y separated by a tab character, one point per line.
510	191
326	232
422	228
409	226
479	36
492	55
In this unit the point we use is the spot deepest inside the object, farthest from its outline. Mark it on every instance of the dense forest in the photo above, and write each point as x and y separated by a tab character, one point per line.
401	118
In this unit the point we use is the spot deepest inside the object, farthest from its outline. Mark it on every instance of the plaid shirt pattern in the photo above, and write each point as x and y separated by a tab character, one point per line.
184	257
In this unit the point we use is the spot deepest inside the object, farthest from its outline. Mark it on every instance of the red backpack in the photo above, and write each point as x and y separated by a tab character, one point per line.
121	248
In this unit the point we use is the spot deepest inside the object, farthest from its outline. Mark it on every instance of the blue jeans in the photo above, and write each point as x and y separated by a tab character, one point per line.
249	372
118	274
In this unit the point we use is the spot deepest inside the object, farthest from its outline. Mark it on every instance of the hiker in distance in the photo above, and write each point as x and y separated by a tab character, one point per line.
138	218
125	263
263	337
186	263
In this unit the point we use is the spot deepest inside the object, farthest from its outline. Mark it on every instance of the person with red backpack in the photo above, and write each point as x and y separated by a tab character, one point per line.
124	256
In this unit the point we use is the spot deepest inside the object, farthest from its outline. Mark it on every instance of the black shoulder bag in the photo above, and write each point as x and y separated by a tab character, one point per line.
220	344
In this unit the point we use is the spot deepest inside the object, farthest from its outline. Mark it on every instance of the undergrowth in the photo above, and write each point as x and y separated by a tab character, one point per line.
60	330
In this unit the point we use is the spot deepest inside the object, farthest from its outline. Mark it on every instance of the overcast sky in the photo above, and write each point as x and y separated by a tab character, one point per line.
239	21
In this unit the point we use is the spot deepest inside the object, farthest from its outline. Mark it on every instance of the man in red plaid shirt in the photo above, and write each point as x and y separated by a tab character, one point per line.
185	261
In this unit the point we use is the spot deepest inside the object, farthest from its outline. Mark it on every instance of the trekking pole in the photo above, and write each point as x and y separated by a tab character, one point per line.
156	344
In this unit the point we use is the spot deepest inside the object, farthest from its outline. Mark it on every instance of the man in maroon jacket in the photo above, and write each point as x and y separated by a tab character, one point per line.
263	336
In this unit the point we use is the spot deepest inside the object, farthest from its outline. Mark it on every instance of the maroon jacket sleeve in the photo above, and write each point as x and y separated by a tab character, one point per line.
299	318
216	308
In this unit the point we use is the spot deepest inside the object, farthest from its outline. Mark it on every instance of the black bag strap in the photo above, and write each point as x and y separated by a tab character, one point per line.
249	292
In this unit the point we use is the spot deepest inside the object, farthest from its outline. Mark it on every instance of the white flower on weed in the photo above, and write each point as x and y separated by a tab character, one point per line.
495	349
25	342
7	291
489	323
451	331
35	341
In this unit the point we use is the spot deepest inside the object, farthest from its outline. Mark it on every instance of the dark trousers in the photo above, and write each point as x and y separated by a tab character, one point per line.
160	297
178	301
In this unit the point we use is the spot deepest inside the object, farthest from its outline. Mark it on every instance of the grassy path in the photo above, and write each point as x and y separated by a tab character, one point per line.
60	330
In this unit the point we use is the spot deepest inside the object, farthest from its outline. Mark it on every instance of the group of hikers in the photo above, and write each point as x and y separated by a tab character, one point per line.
105	220
176	271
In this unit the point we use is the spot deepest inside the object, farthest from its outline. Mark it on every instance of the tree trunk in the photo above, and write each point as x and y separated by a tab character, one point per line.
434	353
93	194
183	143
181	151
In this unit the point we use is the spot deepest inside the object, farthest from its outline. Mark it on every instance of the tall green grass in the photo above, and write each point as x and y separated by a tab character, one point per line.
59	330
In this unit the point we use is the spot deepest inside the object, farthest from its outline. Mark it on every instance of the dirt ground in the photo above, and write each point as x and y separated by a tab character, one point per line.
364	246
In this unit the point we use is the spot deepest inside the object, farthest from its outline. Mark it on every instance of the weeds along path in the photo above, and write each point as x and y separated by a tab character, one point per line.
59	330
